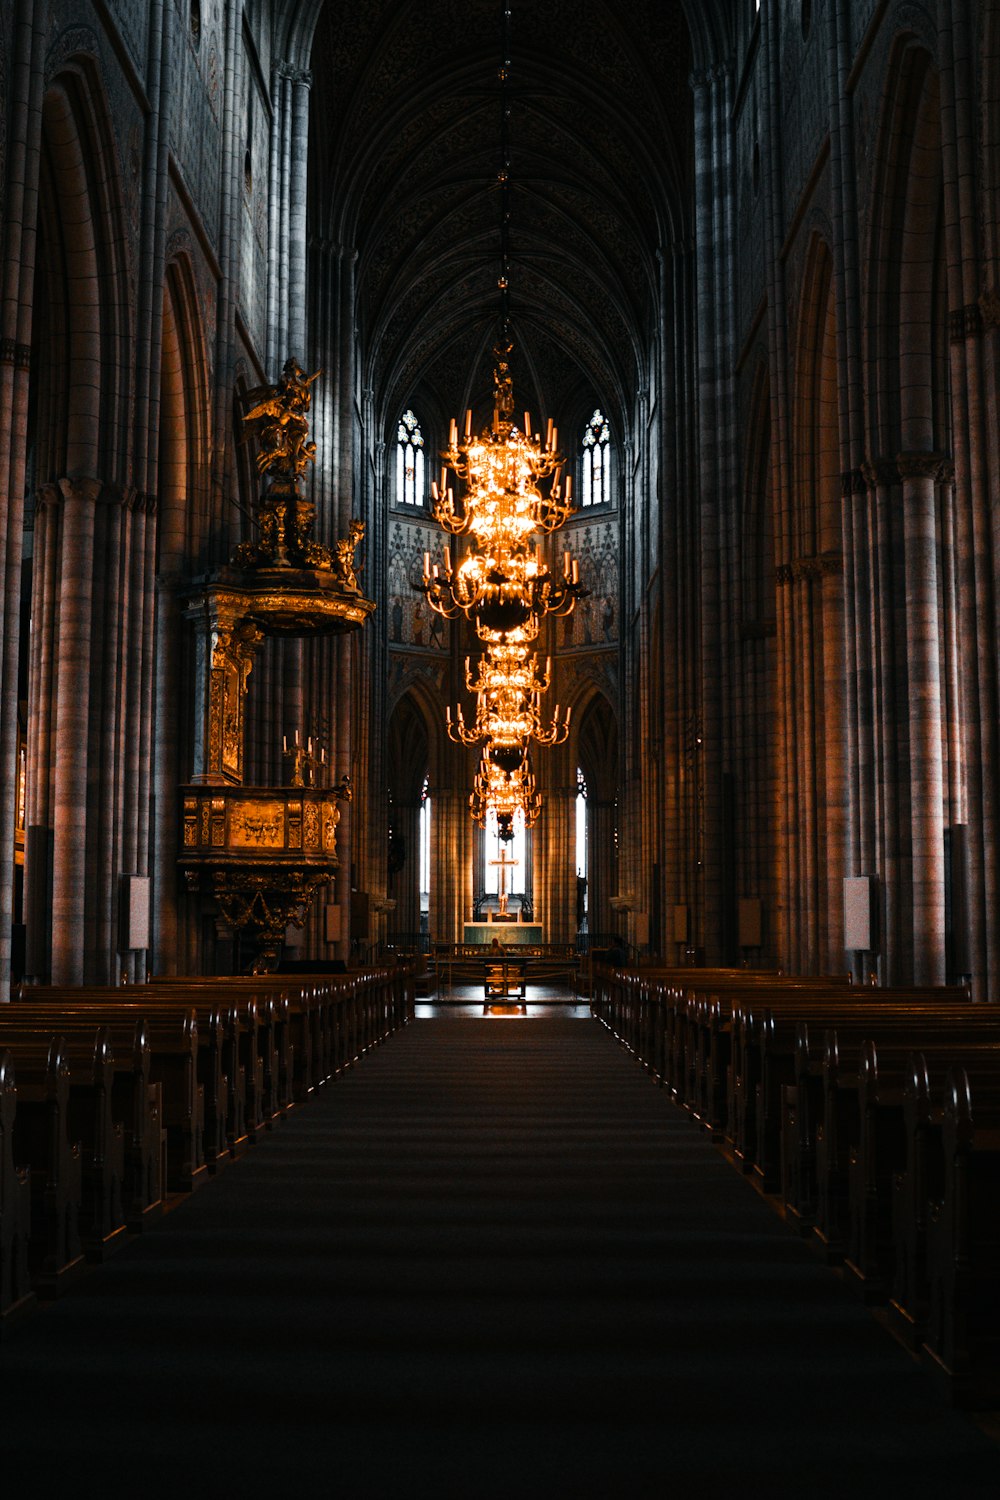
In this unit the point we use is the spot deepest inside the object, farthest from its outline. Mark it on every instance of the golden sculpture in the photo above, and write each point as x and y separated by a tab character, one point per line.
346	567
277	418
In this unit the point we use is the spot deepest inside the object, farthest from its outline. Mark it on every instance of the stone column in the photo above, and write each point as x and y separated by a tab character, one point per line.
404	884
28	41
715	271
602	866
76	603
920	473
451	868
559	814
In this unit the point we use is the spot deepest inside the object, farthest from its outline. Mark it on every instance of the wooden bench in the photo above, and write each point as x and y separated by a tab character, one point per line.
185	1061
962	1345
42	1146
16	1296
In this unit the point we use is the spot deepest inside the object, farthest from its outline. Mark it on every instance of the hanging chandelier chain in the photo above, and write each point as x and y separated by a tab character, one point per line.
511	476
503	280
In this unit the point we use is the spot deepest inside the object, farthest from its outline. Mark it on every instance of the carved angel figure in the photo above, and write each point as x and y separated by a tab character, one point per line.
277	418
347	569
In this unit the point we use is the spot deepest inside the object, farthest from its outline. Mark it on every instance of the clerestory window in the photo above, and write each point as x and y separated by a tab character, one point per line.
596	486
409	461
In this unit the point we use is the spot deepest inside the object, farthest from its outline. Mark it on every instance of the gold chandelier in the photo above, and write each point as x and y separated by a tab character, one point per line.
507	720
503	469
505	795
511	495
502	590
508	667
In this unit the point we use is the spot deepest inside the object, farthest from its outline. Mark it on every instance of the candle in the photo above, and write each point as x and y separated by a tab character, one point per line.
527	424
452	433
468	422
284	743
427	564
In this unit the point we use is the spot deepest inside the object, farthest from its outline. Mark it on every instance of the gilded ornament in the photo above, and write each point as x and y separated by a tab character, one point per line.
277	419
311	825
259	823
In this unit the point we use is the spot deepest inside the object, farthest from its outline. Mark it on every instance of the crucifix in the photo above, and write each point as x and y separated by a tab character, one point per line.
503	864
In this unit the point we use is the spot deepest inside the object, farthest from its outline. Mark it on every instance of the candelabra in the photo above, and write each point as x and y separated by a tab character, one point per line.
508	667
307	766
503	469
506	795
504	594
507	718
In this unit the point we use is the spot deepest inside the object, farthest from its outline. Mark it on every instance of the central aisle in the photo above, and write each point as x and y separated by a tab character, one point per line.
493	1259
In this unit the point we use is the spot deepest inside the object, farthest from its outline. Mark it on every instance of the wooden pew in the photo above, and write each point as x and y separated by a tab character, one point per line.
842	1115
765	1056
111	1098
881	1151
192	1046
962	1346
16	1296
821	1102
41	1144
88	1053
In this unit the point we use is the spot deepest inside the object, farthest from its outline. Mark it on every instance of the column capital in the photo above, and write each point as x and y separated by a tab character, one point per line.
13	353
922	465
290	73
80	487
880	473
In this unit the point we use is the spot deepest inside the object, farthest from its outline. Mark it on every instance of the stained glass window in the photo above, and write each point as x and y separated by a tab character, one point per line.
425	846
409	461
596	486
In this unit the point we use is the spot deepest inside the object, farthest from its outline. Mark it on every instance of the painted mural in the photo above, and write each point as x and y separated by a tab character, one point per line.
411	621
594	621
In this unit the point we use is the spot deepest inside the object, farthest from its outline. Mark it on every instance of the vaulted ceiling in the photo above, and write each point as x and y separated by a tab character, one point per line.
405	153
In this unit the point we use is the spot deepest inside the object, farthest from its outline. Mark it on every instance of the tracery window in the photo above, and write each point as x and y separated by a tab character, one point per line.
581	823
596	486
424	839
409	461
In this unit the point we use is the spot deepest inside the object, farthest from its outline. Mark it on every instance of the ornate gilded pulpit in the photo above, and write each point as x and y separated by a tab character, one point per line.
257	855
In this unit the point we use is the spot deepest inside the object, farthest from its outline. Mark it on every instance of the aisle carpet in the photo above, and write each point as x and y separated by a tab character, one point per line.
492	1260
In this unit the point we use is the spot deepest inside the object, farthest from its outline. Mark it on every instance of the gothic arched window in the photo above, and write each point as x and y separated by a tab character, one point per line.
409	461
596	486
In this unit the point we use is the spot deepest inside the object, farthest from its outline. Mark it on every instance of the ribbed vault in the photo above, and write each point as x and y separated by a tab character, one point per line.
404	157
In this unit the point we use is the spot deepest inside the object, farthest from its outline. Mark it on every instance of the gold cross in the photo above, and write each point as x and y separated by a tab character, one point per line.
503	864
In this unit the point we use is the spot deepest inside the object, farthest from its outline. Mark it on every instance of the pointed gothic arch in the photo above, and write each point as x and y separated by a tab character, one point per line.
811	638
90	540
918	793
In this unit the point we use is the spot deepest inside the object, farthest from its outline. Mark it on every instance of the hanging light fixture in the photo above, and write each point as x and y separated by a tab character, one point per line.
506	720
512	494
512	486
502	590
508	667
506	795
